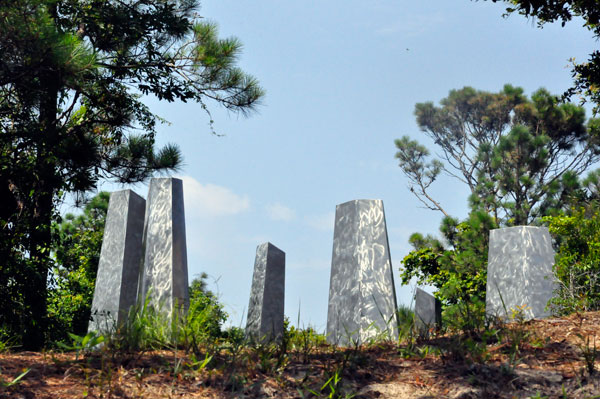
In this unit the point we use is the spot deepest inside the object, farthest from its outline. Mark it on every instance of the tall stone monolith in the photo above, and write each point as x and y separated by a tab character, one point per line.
120	257
164	277
519	272
362	297
267	295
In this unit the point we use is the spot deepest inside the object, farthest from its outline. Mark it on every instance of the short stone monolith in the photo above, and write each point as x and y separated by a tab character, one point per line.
267	295
519	273
428	311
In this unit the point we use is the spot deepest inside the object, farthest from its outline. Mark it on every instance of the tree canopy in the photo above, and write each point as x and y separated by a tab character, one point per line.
72	76
586	75
519	157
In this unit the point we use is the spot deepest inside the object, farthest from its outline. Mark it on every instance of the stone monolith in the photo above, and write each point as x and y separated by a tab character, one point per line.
164	277
362	297
120	258
519	272
267	295
428	311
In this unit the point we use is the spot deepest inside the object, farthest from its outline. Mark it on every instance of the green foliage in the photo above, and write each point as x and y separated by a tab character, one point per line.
466	317
406	323
332	388
150	328
458	272
6	340
71	74
84	343
14	381
519	156
577	262
586	75
304	341
77	253
203	301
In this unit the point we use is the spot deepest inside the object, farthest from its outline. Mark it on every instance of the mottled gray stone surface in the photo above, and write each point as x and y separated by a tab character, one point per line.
428	311
519	272
267	295
164	277
120	258
362	297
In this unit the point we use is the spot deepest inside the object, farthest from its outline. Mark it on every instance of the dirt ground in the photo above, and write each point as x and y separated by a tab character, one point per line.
552	361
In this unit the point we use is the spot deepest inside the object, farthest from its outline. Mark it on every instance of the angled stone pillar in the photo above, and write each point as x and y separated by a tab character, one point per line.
120	258
362	297
519	271
428	311
164	277
267	295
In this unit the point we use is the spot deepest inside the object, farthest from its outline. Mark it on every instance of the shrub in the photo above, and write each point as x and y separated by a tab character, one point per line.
458	272
577	261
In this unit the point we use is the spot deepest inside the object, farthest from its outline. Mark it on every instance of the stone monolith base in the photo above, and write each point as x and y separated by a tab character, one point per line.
519	273
362	297
120	258
267	295
164	278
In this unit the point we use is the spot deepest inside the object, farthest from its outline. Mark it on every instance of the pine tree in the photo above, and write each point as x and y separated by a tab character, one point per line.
519	157
71	114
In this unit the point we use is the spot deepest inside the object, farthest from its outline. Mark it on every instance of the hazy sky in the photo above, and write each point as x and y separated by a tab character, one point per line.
342	79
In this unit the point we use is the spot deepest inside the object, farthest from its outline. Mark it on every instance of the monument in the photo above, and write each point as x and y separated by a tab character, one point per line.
120	257
519	272
267	295
428	311
164	277
362	297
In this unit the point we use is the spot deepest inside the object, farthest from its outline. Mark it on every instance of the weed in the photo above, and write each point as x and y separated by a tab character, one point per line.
406	323
332	388
83	344
200	365
516	335
538	342
235	344
14	381
6	341
466	317
589	352
305	341
538	395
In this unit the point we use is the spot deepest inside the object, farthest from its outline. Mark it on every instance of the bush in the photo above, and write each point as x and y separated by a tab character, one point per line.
458	272
204	302
148	328
77	253
577	261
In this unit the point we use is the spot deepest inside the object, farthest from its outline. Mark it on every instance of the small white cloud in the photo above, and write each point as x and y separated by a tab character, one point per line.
323	222
210	200
280	212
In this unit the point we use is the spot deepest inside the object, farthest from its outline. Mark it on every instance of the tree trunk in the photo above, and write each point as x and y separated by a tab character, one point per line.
46	186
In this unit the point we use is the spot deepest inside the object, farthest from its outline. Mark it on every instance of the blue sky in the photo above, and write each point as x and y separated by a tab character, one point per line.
342	79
